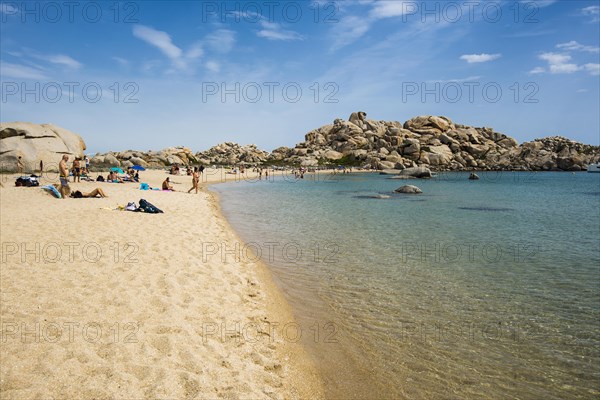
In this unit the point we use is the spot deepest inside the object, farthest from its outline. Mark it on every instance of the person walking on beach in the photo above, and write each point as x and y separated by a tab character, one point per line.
20	165
64	176
195	180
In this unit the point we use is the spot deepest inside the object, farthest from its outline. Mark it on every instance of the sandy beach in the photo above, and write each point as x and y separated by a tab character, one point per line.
100	303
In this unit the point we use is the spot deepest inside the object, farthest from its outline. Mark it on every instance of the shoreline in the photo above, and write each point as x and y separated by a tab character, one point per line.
304	380
170	326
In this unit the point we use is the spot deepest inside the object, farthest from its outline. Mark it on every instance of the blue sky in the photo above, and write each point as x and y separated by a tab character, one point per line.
148	75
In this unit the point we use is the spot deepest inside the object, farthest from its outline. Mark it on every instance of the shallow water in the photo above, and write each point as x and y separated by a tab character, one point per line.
473	289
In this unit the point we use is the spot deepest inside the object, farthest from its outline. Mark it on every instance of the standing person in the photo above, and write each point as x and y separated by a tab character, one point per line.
76	170
64	176
20	165
87	163
195	180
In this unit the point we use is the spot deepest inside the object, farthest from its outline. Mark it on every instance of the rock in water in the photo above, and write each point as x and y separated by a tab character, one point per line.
35	143
416	172
409	189
473	176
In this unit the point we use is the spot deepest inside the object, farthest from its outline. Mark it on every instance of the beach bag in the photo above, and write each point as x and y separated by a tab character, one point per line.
147	207
130	206
144	186
27	181
100	178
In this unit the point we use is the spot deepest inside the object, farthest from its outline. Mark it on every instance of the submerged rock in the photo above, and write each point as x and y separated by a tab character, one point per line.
473	176
408	189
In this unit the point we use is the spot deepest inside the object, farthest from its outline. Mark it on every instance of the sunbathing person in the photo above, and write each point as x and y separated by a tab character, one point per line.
98	192
166	185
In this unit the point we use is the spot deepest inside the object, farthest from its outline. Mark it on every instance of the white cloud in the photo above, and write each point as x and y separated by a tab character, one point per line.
213	66
575	46
63	60
593	69
162	40
122	62
537	70
559	63
555	58
19	71
194	52
352	27
479	58
539	3
27	54
593	12
457	80
159	39
221	40
274	31
389	9
349	29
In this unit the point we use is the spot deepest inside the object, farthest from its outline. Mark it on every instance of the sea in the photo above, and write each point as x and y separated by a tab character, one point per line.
474	289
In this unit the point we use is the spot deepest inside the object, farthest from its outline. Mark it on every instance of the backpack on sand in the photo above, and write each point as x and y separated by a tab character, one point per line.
147	207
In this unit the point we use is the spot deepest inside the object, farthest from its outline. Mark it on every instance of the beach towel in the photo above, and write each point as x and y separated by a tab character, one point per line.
52	190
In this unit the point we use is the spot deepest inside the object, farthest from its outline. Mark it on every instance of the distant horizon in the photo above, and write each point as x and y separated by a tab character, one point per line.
124	73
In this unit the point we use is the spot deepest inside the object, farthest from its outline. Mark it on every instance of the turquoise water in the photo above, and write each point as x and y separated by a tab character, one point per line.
473	289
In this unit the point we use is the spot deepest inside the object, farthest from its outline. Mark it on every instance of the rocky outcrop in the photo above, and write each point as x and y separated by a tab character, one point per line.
223	154
149	159
232	154
434	142
35	143
554	153
424	142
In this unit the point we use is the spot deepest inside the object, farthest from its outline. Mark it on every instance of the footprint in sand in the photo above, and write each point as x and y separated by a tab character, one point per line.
162	344
191	387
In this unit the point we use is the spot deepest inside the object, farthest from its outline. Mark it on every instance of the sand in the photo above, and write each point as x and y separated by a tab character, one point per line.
98	303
